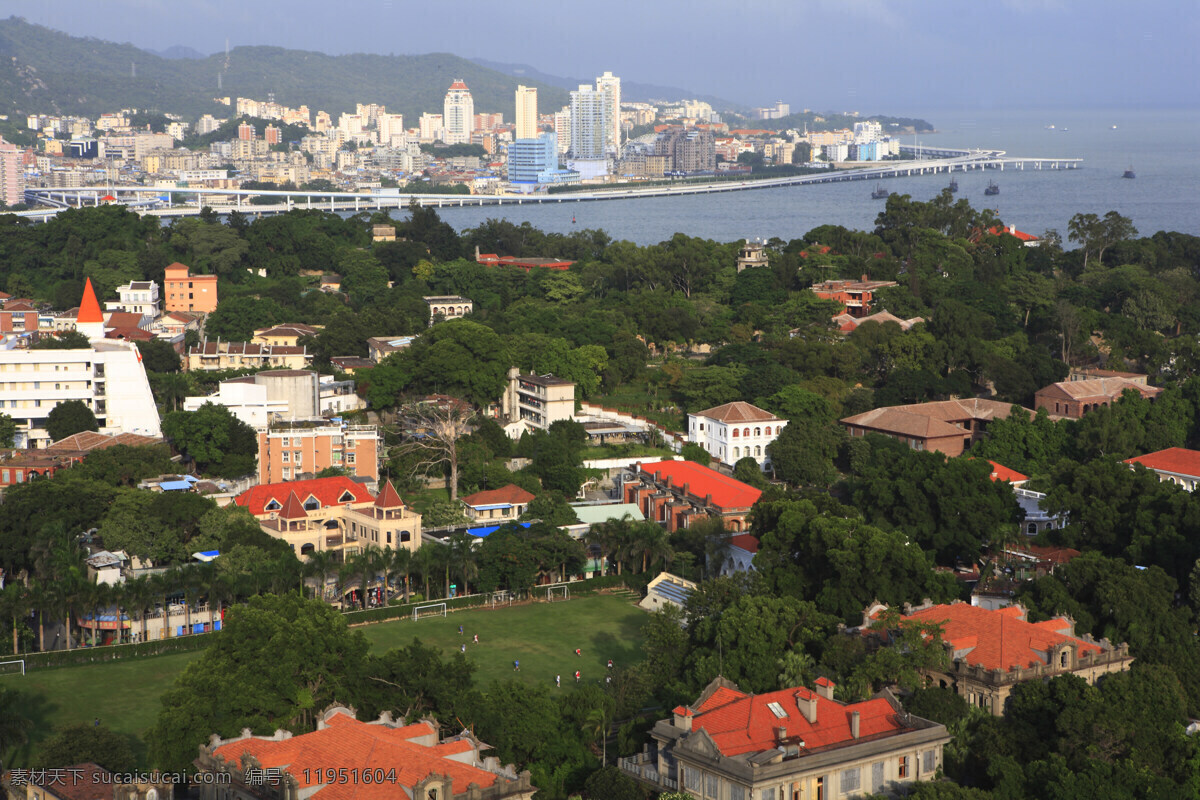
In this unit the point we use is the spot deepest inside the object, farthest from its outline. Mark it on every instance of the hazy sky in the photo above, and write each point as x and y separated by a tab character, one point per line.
876	56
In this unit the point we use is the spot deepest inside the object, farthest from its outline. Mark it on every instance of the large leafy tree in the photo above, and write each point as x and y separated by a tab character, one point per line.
86	743
217	441
280	660
70	417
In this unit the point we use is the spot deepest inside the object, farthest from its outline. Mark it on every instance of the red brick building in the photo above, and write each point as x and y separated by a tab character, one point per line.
947	426
676	493
855	296
1072	399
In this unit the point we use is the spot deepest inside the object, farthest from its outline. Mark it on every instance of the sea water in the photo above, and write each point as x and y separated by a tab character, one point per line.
1160	146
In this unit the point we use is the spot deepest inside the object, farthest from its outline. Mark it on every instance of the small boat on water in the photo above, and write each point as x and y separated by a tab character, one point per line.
992	188
1129	173
953	187
880	193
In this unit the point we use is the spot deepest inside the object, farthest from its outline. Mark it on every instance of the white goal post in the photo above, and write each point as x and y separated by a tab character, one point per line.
20	661
431	610
557	593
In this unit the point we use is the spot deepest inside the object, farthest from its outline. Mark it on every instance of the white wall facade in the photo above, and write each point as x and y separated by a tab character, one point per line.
108	378
730	442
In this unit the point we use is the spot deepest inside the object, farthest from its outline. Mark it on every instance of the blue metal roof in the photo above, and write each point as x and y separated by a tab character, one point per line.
482	532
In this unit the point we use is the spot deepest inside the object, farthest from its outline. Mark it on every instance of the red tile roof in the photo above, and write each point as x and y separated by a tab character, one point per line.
1003	473
89	307
741	723
328	492
91	440
746	541
727	493
1178	460
738	412
511	494
346	743
293	508
124	319
999	639
78	782
388	498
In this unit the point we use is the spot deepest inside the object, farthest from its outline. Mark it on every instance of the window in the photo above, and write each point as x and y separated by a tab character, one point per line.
712	786
745	432
767	430
928	762
902	771
766	794
349	458
877	776
312	504
735	433
691	778
737	792
287	474
758	431
737	451
850	780
287	456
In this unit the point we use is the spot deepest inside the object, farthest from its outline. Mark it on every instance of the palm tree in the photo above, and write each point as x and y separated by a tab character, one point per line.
399	563
221	588
613	536
426	561
41	600
460	556
138	596
95	596
15	602
596	723
650	540
164	583
319	565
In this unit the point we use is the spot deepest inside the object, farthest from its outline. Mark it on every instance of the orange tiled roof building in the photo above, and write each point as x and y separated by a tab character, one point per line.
334	513
676	493
791	743
344	759
992	650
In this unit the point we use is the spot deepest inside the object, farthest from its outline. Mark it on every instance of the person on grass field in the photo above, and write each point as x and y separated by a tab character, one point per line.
558	681
516	666
578	651
577	676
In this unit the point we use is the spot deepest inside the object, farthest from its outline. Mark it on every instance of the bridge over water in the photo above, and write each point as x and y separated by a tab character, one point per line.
172	201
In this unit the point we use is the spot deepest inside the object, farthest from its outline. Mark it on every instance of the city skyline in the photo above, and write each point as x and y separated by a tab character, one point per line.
1007	54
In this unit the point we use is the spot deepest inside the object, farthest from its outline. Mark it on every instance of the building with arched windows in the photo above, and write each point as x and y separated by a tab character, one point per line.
735	431
336	514
677	493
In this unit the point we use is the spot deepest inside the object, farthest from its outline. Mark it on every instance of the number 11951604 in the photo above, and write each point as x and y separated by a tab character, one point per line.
332	775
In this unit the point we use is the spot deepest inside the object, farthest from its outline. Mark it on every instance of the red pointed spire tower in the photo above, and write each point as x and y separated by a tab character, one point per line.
90	320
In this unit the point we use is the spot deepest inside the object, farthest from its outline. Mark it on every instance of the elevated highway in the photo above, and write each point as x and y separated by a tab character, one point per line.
171	201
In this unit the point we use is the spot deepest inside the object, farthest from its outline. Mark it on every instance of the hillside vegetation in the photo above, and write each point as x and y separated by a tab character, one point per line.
45	71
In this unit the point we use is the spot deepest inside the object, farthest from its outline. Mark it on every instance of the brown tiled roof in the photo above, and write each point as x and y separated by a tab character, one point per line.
123	319
1097	387
79	782
931	420
87	441
289	329
738	412
511	494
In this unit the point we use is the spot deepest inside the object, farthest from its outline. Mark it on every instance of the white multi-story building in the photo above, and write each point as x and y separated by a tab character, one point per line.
12	174
137	297
610	86
536	402
458	114
430	127
589	132
735	431
562	127
527	116
107	377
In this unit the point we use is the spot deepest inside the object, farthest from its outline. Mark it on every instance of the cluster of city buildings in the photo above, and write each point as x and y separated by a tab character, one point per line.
588	140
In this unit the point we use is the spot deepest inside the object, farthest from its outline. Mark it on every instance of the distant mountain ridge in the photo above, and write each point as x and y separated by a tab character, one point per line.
631	91
46	71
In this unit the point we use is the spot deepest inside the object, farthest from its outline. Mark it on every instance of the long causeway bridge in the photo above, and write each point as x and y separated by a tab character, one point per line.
172	201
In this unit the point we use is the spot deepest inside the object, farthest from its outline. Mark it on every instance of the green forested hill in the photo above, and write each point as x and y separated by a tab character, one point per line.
43	70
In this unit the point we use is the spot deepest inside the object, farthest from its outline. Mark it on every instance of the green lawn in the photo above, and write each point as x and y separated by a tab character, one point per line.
125	694
543	637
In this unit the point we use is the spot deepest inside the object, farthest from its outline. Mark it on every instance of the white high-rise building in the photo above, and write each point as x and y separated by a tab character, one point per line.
391	129
12	174
589	123
108	377
458	117
430	127
610	86
562	127
527	115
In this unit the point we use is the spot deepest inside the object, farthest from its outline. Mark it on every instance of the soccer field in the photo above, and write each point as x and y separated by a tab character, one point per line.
542	636
125	695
